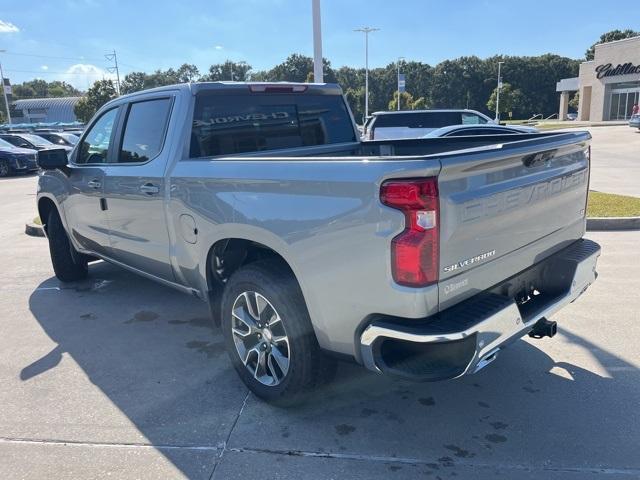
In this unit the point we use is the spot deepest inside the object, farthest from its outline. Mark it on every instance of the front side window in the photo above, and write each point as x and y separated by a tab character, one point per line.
232	124
95	145
144	130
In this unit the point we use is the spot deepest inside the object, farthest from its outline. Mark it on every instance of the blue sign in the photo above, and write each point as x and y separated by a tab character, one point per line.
401	82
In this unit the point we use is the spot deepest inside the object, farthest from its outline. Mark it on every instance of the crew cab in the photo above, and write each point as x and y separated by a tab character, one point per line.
422	258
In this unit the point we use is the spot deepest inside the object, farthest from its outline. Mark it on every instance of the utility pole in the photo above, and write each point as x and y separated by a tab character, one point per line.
4	91
112	57
366	31
399	58
318	74
498	93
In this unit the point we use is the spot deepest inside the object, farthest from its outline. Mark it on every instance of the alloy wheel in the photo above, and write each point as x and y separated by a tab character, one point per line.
260	338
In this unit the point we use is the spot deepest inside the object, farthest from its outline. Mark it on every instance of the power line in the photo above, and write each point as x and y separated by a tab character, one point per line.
51	56
49	72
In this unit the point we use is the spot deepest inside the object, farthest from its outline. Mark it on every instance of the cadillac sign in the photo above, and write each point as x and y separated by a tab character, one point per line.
608	70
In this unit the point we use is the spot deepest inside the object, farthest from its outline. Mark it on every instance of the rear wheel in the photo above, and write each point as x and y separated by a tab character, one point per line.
5	170
68	264
268	334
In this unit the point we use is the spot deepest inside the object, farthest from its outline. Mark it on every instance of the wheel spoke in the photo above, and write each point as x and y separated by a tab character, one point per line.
241	333
261	365
244	316
250	305
282	361
251	351
280	339
274	320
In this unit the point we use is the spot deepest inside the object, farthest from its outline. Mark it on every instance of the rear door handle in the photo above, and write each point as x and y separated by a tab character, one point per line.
149	189
94	184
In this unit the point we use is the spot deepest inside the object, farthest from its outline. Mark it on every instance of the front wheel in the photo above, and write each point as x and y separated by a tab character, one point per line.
268	334
68	264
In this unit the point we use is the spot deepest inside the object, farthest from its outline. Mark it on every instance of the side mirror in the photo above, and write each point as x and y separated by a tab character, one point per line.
52	158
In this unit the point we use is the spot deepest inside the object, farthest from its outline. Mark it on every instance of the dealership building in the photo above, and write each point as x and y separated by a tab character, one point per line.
609	85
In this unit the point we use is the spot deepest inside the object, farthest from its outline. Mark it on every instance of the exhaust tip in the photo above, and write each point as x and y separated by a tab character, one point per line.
544	328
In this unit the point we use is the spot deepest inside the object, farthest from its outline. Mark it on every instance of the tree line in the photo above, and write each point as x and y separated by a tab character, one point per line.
465	82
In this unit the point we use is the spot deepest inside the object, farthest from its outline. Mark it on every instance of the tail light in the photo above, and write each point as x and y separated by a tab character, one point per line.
415	251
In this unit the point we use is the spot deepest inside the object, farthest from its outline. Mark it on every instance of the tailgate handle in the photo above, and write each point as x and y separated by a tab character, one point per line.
539	158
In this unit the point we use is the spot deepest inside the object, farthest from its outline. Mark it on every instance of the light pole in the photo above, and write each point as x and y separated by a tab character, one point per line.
4	91
366	31
498	93
399	58
318	74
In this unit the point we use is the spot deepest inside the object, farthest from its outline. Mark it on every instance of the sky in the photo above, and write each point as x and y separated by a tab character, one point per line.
68	39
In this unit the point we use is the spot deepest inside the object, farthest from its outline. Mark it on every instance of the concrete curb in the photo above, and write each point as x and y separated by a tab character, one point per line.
613	223
33	230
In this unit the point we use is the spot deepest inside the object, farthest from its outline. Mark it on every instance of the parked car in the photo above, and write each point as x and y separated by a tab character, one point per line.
260	200
486	129
417	123
16	160
572	116
29	140
635	121
59	138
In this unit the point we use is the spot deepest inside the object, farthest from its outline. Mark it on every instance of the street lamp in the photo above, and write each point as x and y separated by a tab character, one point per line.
498	94
366	31
4	91
399	58
318	74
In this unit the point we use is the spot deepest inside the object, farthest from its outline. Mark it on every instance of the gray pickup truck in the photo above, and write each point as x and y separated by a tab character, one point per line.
421	258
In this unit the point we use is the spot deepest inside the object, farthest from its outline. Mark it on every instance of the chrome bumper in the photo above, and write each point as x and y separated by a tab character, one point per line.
502	322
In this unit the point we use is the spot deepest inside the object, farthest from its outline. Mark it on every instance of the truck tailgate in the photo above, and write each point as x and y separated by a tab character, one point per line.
507	206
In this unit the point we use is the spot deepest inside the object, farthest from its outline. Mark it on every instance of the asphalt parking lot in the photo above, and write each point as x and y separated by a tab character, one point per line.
117	376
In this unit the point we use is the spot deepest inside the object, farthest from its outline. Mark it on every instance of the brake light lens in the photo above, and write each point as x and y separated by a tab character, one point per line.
415	251
275	88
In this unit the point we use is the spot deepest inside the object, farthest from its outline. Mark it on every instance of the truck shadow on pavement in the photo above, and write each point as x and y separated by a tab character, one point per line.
152	353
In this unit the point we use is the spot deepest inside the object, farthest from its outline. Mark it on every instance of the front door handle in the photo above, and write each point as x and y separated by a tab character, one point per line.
149	189
94	184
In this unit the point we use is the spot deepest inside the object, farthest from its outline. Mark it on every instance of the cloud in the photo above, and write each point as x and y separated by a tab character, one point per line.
44	67
8	27
82	75
218	47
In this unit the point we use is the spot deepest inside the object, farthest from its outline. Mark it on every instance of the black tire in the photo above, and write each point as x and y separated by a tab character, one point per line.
68	265
5	169
308	366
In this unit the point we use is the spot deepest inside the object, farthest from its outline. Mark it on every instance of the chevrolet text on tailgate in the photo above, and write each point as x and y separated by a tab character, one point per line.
421	258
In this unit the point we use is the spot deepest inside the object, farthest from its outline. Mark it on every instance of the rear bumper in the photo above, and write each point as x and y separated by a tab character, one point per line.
466	337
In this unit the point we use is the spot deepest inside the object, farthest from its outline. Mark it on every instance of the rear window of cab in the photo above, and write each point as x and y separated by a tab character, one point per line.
239	123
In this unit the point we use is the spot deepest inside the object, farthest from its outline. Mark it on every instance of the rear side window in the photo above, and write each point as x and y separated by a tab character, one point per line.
418	120
472	119
144	130
231	124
